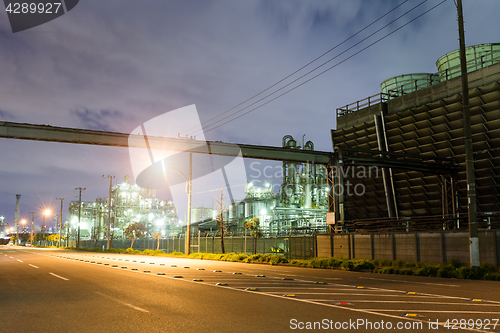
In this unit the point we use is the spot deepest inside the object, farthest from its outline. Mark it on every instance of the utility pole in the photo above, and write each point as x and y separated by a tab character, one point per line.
188	224
108	225
60	222
469	156
32	223
18	198
79	213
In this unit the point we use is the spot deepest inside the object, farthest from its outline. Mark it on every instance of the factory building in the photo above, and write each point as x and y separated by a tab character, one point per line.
421	114
299	207
129	204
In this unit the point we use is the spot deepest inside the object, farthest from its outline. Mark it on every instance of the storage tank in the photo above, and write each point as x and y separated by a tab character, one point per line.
478	56
407	83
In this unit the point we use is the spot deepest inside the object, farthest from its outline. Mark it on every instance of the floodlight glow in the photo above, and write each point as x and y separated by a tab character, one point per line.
47	212
263	212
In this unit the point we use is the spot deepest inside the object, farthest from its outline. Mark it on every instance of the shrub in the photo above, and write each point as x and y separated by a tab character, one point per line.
447	271
426	270
347	265
397	263
386	270
455	263
276	259
406	271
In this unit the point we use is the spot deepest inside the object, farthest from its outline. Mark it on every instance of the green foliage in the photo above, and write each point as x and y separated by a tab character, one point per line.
132	251
134	231
397	263
447	271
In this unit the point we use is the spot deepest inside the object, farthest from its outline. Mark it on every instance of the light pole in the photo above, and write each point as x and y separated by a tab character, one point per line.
46	212
79	214
60	222
188	190
23	222
32	222
469	151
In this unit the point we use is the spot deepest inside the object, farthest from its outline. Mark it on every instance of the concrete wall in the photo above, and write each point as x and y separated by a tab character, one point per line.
430	247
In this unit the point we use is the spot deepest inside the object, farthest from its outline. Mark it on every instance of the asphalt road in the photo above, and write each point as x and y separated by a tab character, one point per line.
68	291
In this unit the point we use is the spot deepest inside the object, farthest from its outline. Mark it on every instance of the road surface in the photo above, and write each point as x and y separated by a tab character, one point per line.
68	291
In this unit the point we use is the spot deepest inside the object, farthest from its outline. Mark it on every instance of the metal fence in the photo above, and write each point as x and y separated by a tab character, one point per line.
293	247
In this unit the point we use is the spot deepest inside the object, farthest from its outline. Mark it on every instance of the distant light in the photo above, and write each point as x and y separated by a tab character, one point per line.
151	217
263	212
250	184
267	184
159	222
47	212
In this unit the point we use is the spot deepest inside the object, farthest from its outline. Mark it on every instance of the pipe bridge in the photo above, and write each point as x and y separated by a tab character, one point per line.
352	156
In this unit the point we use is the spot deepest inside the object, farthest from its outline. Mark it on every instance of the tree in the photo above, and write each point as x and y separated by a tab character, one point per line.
157	236
255	231
223	225
134	231
53	238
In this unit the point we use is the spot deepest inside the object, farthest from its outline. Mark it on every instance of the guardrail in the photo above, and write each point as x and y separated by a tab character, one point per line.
485	60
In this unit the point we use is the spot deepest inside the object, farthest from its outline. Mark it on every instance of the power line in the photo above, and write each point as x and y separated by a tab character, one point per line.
298	70
321	73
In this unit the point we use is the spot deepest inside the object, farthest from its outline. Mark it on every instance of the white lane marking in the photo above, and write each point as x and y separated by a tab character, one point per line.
366	311
32	265
63	278
301	293
123	303
405	302
19	260
404	281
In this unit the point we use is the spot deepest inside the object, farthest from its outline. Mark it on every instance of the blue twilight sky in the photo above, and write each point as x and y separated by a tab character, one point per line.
115	64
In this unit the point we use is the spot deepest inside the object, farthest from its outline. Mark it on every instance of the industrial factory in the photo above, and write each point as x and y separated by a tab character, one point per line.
421	115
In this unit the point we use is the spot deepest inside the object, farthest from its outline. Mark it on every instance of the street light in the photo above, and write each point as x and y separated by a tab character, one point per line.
188	190
46	212
23	222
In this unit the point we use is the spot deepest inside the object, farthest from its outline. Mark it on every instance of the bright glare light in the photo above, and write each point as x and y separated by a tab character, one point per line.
250	184
267	184
159	222
151	217
23	221
47	212
263	212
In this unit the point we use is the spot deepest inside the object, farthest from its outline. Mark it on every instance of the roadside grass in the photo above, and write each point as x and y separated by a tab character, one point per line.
451	269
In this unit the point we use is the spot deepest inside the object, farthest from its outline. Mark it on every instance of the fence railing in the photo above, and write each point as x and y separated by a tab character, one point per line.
444	75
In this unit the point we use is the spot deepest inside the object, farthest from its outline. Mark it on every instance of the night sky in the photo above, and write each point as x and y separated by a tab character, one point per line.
113	65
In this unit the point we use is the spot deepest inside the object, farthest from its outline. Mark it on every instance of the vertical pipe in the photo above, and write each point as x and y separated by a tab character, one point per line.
385	172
